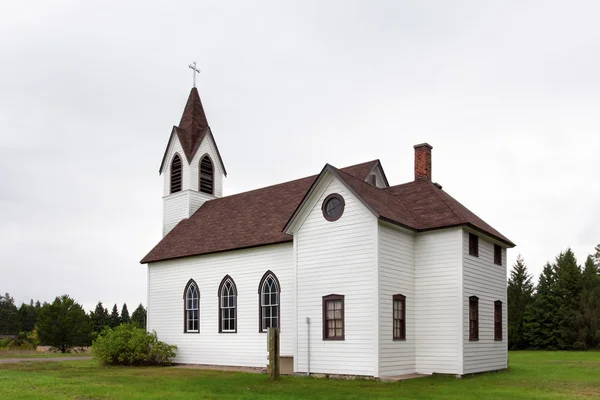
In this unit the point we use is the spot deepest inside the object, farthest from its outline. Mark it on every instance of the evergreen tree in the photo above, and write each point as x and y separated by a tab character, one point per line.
139	316
125	319
569	285
27	317
64	324
519	293
115	319
9	315
589	316
99	317
541	324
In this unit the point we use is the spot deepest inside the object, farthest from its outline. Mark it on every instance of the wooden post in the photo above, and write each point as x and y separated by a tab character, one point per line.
274	359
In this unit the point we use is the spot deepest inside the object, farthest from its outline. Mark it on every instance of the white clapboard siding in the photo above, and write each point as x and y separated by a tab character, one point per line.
487	281
175	208
247	347
197	199
396	276
337	258
438	262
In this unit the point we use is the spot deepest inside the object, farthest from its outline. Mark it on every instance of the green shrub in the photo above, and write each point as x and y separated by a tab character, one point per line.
5	343
127	344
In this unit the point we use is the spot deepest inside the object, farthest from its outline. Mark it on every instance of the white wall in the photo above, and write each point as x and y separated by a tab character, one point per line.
175	208
486	280
396	276
337	258
438	261
247	347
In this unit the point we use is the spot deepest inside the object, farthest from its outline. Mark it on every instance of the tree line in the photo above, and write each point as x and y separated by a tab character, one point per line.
62	324
561	312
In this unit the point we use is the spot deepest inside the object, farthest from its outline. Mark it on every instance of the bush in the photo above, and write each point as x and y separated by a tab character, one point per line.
5	343
23	341
127	344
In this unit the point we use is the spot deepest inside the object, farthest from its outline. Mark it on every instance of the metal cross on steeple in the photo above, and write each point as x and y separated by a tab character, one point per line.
194	70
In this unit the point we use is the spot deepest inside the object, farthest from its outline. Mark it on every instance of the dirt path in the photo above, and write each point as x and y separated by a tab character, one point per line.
28	359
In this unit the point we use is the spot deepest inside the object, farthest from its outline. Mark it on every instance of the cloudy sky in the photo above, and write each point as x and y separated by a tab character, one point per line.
508	94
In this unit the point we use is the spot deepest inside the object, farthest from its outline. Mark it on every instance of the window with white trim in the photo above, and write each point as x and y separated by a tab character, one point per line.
227	306
269	302
192	308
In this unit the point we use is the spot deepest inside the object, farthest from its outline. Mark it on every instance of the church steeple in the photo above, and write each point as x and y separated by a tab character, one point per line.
193	127
192	167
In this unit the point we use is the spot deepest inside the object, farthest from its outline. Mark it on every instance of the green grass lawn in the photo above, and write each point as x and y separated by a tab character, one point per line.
532	375
36	354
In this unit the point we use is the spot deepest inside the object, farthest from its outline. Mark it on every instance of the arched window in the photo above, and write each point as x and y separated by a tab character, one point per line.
176	174
268	294
191	299
206	175
227	306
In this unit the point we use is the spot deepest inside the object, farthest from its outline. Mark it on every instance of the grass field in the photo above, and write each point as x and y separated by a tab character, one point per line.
34	354
532	375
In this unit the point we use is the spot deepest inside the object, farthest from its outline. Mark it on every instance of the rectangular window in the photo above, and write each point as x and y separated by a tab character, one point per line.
228	313
473	245
399	310
192	321
333	317
473	318
497	254
498	320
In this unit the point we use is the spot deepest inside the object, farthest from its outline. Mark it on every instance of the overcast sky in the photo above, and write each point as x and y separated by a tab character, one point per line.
508	94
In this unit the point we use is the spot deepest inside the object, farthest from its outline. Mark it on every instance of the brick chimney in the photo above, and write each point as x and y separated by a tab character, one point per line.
423	161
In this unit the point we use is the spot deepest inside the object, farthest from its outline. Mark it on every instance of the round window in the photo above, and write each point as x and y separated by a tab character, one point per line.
333	207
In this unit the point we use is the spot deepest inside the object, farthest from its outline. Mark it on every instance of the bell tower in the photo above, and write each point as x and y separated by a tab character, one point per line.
192	168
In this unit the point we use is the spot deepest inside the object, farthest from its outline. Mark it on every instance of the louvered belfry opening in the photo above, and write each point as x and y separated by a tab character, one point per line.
176	174
206	175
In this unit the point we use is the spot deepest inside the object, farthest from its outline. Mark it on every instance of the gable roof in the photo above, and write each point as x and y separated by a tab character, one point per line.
192	130
243	220
419	206
261	216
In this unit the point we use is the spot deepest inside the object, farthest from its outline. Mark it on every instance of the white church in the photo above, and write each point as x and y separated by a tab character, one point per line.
361	277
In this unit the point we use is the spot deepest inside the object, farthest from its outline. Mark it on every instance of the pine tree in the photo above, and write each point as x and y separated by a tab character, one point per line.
27	317
589	316
99	317
64	324
114	319
540	325
9	315
569	285
519	292
139	316
125	319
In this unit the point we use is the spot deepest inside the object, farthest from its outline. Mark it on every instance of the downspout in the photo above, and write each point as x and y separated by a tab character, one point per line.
307	346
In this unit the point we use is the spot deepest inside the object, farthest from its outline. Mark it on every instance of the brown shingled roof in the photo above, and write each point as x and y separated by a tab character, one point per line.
433	208
242	220
259	217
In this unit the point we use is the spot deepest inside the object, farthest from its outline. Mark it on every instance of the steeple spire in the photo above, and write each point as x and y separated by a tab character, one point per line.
193	126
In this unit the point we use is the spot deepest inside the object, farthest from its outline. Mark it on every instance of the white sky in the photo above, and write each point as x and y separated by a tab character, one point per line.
507	93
